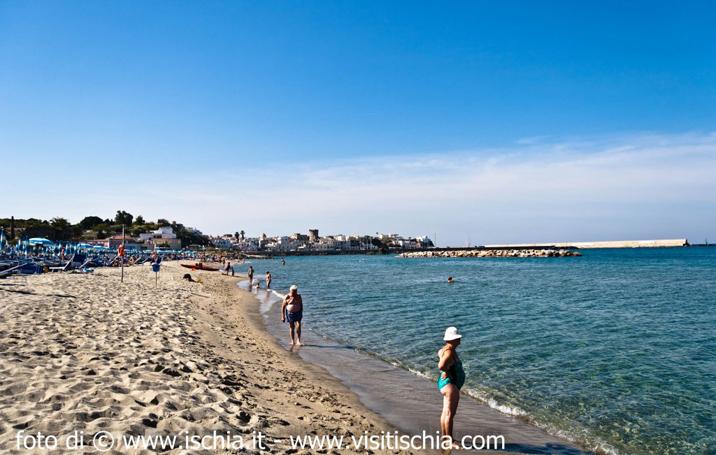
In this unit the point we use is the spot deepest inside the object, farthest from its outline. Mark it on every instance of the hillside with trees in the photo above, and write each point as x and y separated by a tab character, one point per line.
94	228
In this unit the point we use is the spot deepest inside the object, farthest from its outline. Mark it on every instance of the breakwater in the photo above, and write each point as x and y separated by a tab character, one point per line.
659	243
493	253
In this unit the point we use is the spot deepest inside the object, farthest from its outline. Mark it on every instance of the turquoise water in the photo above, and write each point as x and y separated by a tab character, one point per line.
615	349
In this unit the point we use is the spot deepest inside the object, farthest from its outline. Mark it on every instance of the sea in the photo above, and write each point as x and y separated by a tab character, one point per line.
614	350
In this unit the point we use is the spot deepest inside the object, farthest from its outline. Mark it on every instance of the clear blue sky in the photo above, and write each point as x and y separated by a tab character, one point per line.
202	93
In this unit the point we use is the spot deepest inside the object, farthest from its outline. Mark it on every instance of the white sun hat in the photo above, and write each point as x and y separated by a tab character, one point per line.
451	333
293	288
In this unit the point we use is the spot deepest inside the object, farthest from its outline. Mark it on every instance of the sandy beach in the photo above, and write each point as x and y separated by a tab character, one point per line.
86	353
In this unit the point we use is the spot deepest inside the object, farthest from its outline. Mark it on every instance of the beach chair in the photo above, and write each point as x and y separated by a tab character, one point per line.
111	262
84	264
23	268
12	270
76	261
64	267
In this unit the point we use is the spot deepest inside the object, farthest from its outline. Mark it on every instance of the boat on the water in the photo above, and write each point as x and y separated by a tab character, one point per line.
201	266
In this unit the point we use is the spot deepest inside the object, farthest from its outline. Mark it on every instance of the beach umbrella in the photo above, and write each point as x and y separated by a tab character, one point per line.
39	241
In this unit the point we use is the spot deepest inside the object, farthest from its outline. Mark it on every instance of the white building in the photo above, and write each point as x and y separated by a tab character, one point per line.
162	237
222	243
165	232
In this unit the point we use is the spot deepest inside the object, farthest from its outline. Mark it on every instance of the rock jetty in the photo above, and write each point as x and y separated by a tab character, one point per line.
494	253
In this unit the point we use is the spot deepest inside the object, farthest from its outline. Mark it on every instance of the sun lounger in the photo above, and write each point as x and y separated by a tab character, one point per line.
64	267
11	270
72	264
111	262
81	267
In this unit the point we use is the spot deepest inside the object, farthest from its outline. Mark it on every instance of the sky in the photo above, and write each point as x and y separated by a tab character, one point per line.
474	122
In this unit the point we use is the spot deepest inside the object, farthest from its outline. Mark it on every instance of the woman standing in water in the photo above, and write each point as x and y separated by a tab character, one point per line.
451	380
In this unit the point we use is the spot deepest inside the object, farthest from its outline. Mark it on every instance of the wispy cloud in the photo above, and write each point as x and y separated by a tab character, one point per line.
640	186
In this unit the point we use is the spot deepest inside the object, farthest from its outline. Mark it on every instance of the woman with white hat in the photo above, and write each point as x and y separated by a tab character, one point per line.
451	379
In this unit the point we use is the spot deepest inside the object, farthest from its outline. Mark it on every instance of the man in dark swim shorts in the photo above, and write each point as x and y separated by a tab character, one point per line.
292	311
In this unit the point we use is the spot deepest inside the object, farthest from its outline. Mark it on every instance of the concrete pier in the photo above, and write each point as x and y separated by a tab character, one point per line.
661	243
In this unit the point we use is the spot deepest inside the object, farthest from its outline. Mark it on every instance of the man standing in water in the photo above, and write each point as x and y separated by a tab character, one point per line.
450	381
292	310
268	280
250	272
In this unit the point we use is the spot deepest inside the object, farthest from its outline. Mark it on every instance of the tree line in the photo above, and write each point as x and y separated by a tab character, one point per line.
93	228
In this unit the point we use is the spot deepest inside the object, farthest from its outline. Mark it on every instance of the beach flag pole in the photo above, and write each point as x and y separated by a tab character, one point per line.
156	262
121	255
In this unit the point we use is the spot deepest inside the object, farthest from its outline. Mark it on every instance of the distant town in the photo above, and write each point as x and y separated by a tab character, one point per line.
165	237
136	233
312	243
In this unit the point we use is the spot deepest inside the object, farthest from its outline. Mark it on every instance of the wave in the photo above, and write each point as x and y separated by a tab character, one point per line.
579	436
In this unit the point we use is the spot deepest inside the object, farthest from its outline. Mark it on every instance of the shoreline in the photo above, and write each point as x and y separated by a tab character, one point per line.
337	403
226	289
390	392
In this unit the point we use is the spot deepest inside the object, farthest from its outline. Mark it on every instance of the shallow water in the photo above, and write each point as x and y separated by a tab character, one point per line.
616	348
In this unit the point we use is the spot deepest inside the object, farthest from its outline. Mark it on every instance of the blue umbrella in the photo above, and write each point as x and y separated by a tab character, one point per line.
39	241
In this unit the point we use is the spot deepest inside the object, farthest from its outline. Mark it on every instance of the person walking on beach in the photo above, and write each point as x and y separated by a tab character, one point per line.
451	380
292	311
250	272
268	280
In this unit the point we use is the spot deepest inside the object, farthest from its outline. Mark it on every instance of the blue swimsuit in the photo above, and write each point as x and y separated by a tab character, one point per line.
455	375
